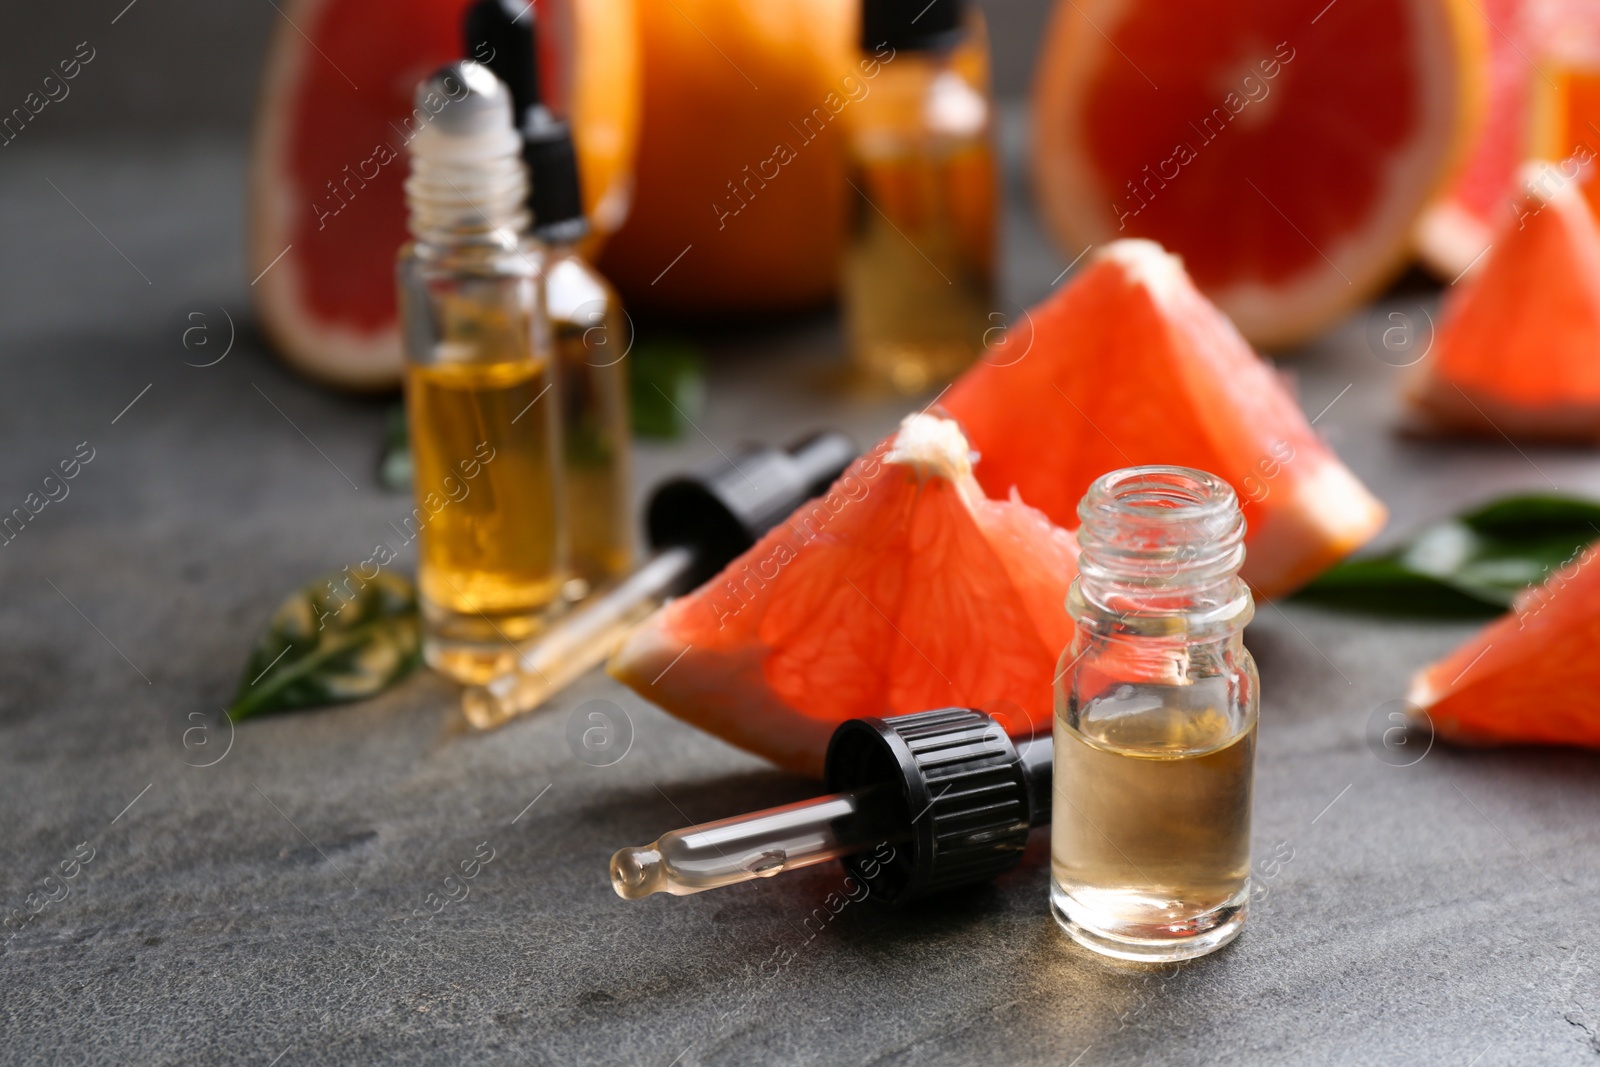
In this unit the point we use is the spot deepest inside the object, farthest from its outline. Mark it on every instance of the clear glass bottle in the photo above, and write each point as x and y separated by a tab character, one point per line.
1156	706
919	265
485	438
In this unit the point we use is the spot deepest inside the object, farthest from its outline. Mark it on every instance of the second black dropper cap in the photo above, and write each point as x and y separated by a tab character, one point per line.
725	506
911	25
502	35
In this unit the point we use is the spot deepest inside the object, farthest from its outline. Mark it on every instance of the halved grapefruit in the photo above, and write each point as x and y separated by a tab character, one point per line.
903	588
1130	364
1530	678
327	208
1536	108
1518	346
1283	148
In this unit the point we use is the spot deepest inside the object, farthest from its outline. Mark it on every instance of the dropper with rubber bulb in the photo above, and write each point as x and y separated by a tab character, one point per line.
918	804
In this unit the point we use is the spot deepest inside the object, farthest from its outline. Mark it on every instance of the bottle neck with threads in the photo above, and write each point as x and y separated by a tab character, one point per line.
468	186
1161	549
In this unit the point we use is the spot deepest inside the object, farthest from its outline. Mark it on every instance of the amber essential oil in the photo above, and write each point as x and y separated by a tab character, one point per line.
591	342
489	555
484	424
1155	726
918	279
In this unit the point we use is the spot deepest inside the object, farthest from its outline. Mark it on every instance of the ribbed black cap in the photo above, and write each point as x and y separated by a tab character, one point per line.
911	25
970	797
724	507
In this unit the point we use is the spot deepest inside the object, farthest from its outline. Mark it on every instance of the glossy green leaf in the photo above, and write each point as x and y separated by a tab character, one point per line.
1474	564
339	639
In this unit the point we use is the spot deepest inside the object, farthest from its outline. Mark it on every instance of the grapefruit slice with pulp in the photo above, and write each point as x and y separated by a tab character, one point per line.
902	589
1129	365
1530	678
327	204
1518	346
1283	148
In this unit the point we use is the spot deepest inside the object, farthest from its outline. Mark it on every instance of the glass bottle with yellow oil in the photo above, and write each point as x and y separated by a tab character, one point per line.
918	280
590	333
485	433
592	337
1155	728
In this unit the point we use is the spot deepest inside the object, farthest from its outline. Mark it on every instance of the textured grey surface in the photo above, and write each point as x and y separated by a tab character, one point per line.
251	911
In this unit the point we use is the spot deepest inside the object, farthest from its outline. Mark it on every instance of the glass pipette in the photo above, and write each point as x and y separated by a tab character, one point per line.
698	523
922	803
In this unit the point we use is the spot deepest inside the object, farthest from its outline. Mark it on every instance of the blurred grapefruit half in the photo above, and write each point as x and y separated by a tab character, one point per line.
1283	148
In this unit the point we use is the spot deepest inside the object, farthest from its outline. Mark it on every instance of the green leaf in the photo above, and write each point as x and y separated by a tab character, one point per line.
666	387
339	639
1474	564
394	467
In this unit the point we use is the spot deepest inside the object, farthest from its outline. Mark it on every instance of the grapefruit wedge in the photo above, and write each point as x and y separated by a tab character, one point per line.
1530	678
1518	346
1283	148
1130	364
902	589
327	206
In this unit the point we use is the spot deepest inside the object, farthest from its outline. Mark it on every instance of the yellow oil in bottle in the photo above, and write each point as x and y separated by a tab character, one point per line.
491	559
918	278
591	341
919	268
1151	822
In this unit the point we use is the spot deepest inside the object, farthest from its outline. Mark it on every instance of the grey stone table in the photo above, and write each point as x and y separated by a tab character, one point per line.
251	911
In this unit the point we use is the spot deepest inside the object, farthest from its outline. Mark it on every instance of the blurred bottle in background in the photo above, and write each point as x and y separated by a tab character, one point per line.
1565	117
918	280
592	337
590	333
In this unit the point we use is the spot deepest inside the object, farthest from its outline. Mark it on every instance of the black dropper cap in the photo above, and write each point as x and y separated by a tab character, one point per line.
724	507
911	25
969	795
503	36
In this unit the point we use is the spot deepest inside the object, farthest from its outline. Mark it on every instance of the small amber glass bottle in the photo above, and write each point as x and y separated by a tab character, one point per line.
1156	703
918	279
485	437
592	338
